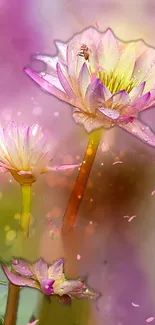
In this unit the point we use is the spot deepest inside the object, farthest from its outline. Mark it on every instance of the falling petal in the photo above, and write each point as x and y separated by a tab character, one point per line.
131	218
96	24
117	162
149	320
64	167
135	305
153	192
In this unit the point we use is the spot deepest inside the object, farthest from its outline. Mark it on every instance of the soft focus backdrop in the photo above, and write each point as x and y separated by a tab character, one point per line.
118	255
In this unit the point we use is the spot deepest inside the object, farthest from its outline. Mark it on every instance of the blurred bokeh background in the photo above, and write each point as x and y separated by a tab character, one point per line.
117	255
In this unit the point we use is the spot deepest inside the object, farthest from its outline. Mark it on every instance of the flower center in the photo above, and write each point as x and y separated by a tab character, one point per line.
114	82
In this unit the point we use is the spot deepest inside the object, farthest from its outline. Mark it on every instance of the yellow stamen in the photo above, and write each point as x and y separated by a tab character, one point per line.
114	82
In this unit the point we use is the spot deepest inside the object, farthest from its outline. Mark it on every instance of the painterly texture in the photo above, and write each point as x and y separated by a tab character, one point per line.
50	280
26	152
108	82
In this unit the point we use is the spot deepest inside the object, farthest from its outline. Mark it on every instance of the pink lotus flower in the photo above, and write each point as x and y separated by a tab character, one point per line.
25	152
107	81
50	280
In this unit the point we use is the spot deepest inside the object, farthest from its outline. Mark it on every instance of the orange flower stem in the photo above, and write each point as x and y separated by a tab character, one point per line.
81	181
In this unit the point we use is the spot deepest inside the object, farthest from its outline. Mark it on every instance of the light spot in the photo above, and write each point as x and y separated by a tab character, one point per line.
104	147
78	257
1	195
37	111
6	114
153	192
6	228
11	235
89	151
17	216
56	114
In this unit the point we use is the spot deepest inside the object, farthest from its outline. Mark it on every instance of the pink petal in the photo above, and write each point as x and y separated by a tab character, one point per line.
5	166
93	76
143	64
140	130
64	82
69	287
18	280
108	51
46	85
62	47
20	266
84	79
125	118
91	123
149	320
63	167
3	170
141	103
153	192
126	64
94	95
137	91
55	270
120	98
112	114
40	269
49	61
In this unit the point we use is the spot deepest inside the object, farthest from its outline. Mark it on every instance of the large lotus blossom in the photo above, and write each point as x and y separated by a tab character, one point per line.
25	152
48	279
107	81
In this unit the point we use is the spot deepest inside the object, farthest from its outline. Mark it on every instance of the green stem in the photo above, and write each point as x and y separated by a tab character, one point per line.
14	291
26	206
81	181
